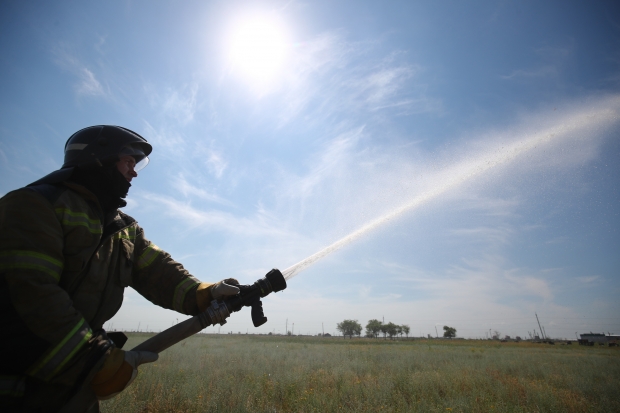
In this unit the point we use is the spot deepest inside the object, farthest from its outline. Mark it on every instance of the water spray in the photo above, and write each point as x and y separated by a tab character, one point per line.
469	171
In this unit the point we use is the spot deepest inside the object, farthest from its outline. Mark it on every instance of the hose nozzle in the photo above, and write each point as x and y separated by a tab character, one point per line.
250	296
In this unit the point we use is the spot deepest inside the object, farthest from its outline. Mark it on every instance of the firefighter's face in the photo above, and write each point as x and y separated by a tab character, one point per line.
126	166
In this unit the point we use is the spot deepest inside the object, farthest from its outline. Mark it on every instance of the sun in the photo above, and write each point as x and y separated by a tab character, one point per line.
258	47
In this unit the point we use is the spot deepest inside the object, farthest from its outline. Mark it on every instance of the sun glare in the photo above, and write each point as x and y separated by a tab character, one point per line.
258	47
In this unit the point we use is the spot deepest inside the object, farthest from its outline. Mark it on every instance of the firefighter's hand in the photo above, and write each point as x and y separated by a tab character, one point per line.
225	288
205	293
118	371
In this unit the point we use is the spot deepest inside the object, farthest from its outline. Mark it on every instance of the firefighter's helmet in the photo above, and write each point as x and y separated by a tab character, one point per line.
98	145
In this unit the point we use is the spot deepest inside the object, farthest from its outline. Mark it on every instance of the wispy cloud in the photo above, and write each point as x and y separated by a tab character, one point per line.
589	279
557	240
336	155
384	83
176	103
3	157
87	83
481	279
216	163
391	85
189	191
181	103
552	58
540	72
555	53
167	139
527	284
489	206
211	219
496	235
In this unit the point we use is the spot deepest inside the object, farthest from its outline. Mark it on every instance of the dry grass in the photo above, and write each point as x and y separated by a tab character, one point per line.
281	374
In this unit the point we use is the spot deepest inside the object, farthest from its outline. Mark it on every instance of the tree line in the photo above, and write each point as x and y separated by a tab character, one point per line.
375	327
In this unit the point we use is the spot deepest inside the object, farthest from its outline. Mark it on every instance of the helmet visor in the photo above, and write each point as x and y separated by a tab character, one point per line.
138	154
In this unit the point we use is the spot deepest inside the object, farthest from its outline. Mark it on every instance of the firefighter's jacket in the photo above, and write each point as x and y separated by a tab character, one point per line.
62	276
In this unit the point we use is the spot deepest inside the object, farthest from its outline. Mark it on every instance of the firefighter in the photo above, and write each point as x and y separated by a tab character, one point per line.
66	255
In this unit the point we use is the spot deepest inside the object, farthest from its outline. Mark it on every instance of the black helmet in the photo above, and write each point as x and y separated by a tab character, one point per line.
98	145
101	144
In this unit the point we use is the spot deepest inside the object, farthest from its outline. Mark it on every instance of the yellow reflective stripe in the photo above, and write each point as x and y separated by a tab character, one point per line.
12	386
148	256
30	260
180	292
71	218
127	233
63	352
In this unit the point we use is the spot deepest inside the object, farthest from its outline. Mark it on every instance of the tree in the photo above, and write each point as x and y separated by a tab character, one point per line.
373	328
349	328
391	329
405	328
449	332
384	330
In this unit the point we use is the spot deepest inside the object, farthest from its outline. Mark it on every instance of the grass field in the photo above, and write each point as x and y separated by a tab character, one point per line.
245	373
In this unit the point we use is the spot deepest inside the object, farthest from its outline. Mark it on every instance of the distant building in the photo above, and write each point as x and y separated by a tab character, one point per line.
598	338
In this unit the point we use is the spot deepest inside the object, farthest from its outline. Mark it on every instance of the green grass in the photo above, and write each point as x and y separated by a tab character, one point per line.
241	373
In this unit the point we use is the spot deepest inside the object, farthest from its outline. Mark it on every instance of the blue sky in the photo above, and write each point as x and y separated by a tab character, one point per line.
280	127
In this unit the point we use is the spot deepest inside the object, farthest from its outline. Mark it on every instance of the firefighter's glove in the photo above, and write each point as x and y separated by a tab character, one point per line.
118	371
205	293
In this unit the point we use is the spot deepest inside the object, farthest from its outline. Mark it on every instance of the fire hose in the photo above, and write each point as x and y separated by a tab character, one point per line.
218	312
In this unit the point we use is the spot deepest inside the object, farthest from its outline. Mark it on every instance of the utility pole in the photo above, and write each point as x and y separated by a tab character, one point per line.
541	330
323	328
286	327
293	332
